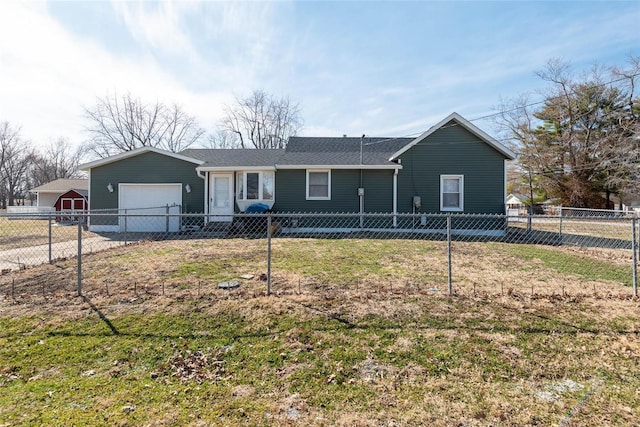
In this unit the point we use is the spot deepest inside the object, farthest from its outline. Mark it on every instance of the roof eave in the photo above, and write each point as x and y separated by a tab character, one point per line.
318	166
234	168
510	155
136	152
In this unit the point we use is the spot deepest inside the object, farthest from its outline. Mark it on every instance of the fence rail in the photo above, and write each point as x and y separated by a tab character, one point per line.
440	251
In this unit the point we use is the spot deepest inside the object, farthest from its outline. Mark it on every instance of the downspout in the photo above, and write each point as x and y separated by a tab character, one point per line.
361	188
206	192
88	219
504	188
504	197
395	198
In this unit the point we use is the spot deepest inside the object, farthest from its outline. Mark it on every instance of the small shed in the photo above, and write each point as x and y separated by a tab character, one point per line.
73	201
47	194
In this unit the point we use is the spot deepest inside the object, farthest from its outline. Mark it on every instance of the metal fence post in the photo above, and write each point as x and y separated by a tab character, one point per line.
79	257
560	228
125	227
269	254
449	253
634	220
50	238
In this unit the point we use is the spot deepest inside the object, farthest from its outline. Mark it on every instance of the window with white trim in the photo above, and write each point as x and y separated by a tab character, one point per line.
254	185
452	193
318	184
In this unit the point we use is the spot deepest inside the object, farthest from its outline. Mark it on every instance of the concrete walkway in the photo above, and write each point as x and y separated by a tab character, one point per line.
14	259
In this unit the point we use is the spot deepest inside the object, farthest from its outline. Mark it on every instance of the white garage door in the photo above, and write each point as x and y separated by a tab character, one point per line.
146	207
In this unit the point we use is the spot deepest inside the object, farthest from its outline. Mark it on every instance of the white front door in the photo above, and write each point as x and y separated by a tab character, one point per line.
221	197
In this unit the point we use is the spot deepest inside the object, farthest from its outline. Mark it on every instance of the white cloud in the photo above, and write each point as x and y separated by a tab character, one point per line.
199	54
53	73
158	24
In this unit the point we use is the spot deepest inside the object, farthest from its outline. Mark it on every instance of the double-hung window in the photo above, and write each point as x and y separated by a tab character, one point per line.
318	184
254	185
452	193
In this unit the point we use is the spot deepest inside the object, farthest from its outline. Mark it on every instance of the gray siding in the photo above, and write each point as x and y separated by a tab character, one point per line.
146	168
452	150
378	185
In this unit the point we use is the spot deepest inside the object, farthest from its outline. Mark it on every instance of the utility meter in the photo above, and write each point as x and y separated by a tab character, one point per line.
417	202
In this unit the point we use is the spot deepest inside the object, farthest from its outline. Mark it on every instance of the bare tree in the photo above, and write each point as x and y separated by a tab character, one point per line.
624	145
58	160
577	143
221	139
117	124
261	121
16	155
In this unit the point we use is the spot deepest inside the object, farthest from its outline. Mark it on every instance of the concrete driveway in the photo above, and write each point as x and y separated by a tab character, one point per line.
14	259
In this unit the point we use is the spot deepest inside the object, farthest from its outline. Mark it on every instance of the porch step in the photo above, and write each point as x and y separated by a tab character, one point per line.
219	226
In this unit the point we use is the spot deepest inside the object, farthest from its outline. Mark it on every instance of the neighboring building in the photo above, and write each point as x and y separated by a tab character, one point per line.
69	203
516	201
628	204
452	167
47	195
633	207
519	204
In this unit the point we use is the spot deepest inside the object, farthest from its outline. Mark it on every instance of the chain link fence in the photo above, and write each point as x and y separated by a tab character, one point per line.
164	252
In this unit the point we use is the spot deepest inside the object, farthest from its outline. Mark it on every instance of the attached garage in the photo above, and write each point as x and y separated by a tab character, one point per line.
145	207
142	185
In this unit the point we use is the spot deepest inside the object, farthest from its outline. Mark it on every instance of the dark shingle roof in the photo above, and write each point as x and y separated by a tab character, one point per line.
62	185
341	151
306	151
231	157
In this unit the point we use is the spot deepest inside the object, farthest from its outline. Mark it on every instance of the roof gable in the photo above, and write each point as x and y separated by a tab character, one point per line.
136	152
82	193
466	125
517	197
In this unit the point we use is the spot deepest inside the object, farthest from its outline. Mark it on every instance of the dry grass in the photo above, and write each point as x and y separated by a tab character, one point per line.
599	228
332	269
20	233
356	333
302	266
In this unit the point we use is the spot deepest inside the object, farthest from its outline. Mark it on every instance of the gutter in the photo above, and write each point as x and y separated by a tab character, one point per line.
395	197
206	190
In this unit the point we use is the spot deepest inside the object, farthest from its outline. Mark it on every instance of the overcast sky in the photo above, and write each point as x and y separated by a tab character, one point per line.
375	68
